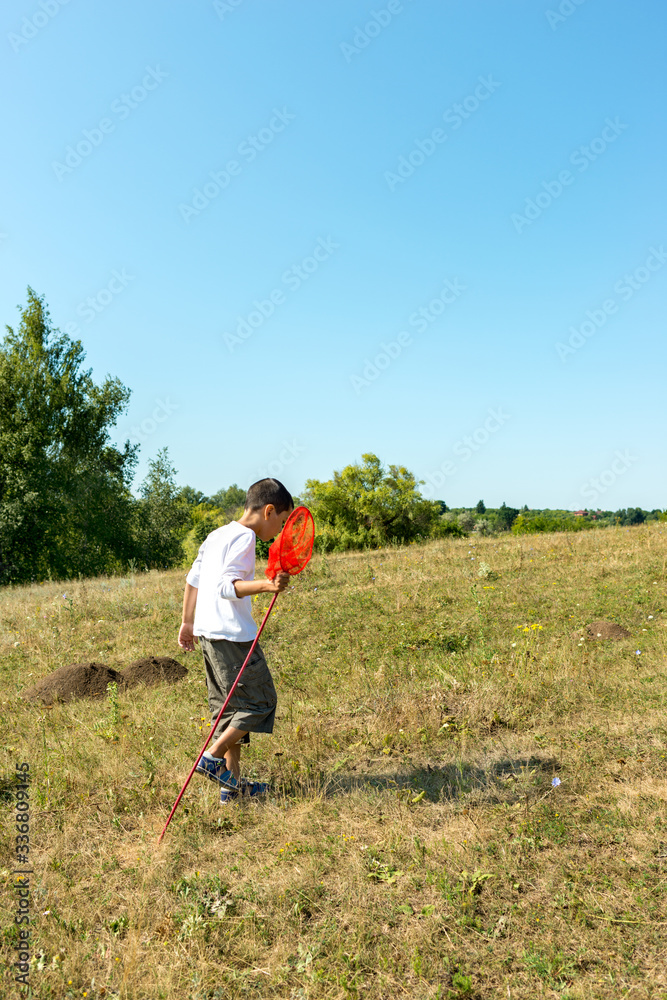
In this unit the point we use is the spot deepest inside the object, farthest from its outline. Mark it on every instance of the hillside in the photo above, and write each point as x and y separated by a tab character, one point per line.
468	791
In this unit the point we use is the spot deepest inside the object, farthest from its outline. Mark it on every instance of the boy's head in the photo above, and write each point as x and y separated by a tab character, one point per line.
266	491
267	506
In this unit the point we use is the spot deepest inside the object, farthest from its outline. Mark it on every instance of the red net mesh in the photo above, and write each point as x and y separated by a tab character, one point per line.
294	545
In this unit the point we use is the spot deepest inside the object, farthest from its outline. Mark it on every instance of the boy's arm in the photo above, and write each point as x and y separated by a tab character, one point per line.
247	588
186	637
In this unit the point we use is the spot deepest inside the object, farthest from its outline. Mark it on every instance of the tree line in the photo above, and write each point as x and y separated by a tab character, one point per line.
66	503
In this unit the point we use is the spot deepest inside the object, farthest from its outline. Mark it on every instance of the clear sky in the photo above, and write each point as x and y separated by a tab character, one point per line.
304	230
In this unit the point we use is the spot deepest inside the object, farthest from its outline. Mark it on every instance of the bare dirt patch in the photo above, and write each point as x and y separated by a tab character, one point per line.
154	670
76	680
602	630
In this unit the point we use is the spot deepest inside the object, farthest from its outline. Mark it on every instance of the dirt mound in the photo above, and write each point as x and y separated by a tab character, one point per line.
77	680
602	630
154	670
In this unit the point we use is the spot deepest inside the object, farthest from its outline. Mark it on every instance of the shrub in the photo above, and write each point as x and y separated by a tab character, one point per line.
466	521
541	522
484	527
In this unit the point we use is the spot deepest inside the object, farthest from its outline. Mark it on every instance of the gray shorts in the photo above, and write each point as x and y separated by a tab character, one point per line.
253	705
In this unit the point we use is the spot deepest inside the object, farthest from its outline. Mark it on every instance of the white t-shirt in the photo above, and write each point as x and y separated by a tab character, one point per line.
227	554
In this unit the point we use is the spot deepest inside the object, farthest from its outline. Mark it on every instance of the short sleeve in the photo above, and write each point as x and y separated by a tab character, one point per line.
239	565
193	576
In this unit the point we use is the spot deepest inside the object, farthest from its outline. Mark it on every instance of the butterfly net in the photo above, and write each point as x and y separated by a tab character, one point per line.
293	547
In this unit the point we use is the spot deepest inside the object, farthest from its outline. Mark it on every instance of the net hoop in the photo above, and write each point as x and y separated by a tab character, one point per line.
292	549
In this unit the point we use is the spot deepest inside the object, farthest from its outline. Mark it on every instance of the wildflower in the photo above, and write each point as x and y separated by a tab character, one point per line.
555	782
638	652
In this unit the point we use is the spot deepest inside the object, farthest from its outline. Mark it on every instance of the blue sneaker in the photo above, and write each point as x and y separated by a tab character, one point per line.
216	770
228	795
253	788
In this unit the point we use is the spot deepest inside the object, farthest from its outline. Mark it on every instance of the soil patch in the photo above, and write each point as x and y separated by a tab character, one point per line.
154	670
602	630
77	680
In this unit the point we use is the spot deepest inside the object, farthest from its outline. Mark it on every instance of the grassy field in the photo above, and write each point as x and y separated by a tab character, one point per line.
414	844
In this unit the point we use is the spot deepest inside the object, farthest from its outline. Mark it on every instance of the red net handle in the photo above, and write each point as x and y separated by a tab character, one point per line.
293	547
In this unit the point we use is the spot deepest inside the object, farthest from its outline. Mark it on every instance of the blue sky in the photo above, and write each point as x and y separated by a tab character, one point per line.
259	198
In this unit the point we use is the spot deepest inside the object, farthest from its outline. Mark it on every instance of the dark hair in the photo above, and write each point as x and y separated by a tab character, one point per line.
268	491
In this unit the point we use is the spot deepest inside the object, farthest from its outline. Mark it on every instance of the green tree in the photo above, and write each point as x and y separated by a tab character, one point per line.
65	501
368	505
481	507
163	515
506	516
192	497
229	499
633	515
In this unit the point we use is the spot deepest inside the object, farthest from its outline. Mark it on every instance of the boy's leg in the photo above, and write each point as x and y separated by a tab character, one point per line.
226	743
233	760
224	765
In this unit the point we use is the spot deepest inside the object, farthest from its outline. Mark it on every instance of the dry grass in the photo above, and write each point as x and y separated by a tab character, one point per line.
413	845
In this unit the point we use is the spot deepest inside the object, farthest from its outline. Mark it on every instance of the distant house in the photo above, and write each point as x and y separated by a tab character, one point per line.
581	513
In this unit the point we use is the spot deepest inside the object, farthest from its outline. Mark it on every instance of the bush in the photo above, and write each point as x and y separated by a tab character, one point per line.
534	525
466	521
445	528
484	527
367	506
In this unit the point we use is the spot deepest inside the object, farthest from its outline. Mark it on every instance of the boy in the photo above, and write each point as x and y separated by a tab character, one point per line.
217	611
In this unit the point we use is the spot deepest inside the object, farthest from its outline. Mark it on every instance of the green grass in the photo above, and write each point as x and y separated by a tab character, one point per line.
413	845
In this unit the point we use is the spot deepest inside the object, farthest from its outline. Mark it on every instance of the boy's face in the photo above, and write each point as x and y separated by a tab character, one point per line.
272	523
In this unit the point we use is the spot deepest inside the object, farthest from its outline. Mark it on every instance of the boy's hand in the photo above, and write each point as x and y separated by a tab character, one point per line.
186	637
280	582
